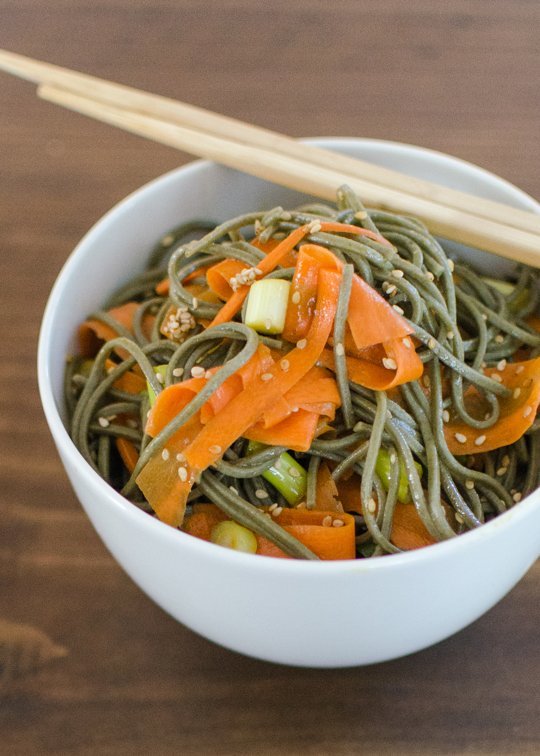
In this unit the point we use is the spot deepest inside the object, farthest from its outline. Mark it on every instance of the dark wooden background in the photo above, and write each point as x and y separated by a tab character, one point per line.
457	76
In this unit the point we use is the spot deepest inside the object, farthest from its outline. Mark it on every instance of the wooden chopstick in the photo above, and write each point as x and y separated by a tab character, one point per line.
509	232
236	130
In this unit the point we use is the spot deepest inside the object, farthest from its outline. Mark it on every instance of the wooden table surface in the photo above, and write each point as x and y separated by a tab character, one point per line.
458	76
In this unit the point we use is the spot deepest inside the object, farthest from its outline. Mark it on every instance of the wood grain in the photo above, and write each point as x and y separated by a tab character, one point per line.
457	76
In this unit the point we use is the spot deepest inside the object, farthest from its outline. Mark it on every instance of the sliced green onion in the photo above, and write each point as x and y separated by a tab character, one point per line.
286	475
267	305
507	289
234	536
158	370
383	468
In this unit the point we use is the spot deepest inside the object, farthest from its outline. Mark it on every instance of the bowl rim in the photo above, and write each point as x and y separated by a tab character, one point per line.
184	540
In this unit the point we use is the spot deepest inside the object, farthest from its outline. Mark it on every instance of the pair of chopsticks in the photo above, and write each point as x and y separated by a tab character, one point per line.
495	227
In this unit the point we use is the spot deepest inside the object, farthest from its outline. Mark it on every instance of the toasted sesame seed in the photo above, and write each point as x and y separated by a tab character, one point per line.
397	273
398	309
496	377
167	240
389	363
178	372
327	521
197	371
182	474
501	365
360	215
459	518
295	297
426	380
314	227
208	374
451	265
407	342
272	507
284	365
469	484
432	343
517	497
502	471
479	441
430	275
385	285
215	449
277	511
103	422
160	378
517	392
180	457
266	377
527	411
148	413
233	489
260	493
505	460
520	369
393	458
340	349
293	472
450	335
165	454
484	316
371	506
461	438
446	416
337	523
499	338
194	303
391	289
302	344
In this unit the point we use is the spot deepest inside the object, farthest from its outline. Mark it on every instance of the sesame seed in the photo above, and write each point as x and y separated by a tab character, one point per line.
459	518
469	484
484	316
178	372
501	365
407	342
430	276
496	377
233	489
446	416
180	457
285	365
337	523
502	471
167	240
194	303
517	392
295	297
340	349
277	511
198	371
398	309
426	380
327	521
393	458
215	449
391	289
208	374
302	505
520	369
432	343
285	215
451	265
302	344
131	423
479	441
527	383
182	474
103	422
461	438
293	472
361	215
160	378
389	363
499	338
266	377
385	285
165	454
371	506
314	227
450	335
397	273
260	493
148	414
527	411
505	460
517	497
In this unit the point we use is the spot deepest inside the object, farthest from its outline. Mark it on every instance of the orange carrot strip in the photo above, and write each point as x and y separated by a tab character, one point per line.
219	275
128	452
162	288
408	530
326	497
517	412
295	432
303	289
93	332
130	382
345	228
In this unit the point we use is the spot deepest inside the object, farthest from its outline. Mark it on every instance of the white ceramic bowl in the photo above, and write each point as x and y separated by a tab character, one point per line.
328	614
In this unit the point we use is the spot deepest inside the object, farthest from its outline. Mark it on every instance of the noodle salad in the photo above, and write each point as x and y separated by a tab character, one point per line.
316	383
